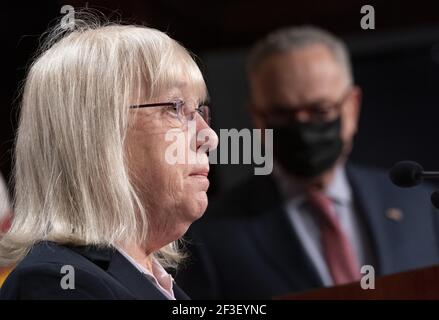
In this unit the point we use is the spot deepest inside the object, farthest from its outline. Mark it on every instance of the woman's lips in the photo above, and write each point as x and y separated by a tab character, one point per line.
201	177
204	172
199	174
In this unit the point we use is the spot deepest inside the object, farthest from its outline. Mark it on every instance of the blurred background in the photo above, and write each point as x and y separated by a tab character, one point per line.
396	64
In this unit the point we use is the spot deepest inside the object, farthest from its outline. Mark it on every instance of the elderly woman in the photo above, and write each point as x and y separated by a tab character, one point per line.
98	205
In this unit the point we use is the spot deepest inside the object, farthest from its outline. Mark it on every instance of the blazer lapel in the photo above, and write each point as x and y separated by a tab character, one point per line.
179	293
132	279
276	239
111	261
371	206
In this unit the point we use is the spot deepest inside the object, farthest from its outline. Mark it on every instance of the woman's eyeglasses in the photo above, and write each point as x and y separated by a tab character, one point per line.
181	110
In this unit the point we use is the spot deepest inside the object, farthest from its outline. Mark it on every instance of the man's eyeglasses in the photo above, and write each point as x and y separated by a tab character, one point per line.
181	110
316	112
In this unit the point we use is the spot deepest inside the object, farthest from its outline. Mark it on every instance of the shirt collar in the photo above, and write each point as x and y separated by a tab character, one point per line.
159	276
338	190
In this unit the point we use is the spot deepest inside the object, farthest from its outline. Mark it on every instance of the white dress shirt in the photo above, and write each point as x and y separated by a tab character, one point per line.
306	226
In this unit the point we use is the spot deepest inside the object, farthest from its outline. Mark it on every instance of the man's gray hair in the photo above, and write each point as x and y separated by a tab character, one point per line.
293	38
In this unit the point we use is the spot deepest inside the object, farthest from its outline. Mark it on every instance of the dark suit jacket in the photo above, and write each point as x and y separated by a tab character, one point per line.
245	246
99	273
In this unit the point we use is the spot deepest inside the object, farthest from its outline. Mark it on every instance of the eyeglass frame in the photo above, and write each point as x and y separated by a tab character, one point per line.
335	106
178	105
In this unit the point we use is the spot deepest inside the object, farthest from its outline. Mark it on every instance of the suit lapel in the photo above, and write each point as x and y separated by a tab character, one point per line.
371	207
275	237
111	261
179	293
142	288
132	279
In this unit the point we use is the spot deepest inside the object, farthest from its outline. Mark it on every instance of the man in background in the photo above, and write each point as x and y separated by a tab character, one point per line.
317	219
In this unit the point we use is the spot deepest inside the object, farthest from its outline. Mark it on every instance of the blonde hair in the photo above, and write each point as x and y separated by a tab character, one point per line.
71	176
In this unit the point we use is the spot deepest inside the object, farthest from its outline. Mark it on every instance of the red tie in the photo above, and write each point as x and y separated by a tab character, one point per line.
340	258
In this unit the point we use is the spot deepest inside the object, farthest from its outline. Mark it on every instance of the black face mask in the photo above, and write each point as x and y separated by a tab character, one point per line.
307	149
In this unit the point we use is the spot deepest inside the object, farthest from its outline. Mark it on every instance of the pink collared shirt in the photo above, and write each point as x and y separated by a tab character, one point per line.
159	276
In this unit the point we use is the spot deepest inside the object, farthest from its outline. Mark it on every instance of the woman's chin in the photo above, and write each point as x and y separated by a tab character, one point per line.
199	205
193	212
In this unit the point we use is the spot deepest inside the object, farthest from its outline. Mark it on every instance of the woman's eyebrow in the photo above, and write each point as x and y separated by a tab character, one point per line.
205	101
174	93
177	84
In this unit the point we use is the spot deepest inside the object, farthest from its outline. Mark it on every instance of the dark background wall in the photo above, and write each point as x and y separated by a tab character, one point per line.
396	64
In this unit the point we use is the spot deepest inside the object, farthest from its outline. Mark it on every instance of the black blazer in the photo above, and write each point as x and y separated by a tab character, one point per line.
100	273
245	246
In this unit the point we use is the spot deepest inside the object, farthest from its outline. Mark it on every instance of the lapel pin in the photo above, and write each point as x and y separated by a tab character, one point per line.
394	214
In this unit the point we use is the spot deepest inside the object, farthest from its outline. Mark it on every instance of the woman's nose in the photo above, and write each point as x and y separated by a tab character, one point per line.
205	135
213	139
